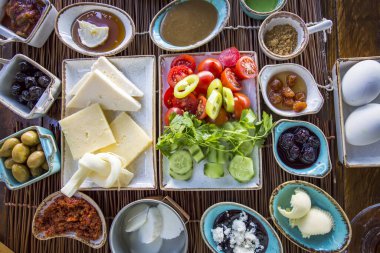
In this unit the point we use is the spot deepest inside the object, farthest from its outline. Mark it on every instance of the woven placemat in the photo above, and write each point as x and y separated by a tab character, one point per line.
242	33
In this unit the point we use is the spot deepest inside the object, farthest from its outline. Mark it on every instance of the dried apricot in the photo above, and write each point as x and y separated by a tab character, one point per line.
288	102
291	80
275	97
287	92
275	84
299	106
300	96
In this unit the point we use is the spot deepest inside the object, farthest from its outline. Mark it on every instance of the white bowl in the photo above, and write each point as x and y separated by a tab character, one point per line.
314	98
68	15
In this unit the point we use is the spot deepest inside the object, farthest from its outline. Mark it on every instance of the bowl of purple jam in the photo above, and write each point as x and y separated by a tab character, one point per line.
301	148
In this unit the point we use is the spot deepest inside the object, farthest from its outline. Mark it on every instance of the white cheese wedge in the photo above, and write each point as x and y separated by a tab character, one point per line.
109	70
75	89
152	228
131	140
91	35
136	217
171	224
98	88
86	131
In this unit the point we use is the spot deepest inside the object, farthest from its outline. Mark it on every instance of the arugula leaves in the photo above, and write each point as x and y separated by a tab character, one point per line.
185	131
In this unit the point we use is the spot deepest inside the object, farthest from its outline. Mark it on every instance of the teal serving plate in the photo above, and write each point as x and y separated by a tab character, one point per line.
50	148
260	15
321	167
336	241
209	216
223	8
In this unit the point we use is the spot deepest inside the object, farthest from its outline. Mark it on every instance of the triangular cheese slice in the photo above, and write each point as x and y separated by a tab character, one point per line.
97	88
109	70
131	140
75	89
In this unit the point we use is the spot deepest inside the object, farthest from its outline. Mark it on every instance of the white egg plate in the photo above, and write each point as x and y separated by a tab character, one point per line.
350	155
141	71
199	181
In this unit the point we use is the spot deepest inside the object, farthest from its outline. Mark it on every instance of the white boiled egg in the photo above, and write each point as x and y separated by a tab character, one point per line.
92	35
361	83
363	125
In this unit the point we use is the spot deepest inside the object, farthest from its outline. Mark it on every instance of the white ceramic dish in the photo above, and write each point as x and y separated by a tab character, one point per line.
314	98
7	75
141	71
303	31
67	16
41	31
350	155
199	181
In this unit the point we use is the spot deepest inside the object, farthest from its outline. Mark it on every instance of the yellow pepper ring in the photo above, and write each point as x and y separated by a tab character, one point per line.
186	86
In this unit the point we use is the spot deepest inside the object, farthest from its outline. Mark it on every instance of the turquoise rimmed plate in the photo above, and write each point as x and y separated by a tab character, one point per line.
336	241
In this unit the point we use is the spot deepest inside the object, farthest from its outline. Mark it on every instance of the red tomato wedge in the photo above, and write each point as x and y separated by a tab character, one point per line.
168	97
229	80
177	73
175	110
188	103
212	65
185	60
201	109
205	78
246	68
229	57
241	102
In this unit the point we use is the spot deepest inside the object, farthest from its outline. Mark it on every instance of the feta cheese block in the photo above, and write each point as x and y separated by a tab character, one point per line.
109	70
131	140
87	131
98	88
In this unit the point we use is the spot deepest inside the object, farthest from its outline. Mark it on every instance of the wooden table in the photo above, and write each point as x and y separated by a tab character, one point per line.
356	32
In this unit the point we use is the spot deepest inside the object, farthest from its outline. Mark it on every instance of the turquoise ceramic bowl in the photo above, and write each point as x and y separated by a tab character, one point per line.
260	15
321	167
335	241
209	216
51	151
223	8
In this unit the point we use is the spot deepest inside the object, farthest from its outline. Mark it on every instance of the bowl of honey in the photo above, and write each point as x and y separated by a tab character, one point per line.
94	29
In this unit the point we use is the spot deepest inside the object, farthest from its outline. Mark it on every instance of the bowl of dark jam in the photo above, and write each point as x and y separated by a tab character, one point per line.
301	148
228	227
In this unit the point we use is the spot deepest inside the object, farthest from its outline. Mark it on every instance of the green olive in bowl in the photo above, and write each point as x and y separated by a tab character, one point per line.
36	172
36	160
6	149
9	163
20	153
30	138
20	172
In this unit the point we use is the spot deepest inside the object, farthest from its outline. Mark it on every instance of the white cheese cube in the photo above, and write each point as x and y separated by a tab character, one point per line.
87	131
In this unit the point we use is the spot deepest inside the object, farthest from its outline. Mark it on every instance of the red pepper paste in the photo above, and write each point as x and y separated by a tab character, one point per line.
70	215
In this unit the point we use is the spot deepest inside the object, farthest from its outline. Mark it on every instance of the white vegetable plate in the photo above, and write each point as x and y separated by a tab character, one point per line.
350	155
199	181
141	71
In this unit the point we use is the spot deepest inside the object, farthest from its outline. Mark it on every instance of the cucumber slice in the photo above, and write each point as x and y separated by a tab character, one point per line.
183	177
241	168
213	170
181	162
228	100
246	148
212	156
196	153
221	156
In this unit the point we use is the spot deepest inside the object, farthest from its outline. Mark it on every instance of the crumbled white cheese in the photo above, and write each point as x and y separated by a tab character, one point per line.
217	234
239	226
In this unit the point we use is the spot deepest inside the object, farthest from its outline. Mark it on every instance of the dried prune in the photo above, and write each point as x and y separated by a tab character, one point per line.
313	142
30	81
25	66
275	97
308	155
300	96
299	106
44	81
287	92
288	102
38	74
301	135
31	104
287	141
20	77
291	80
293	153
35	92
25	95
16	89
275	84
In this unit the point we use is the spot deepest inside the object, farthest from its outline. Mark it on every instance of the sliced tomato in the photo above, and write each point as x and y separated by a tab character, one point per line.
212	65
229	57
201	109
205	78
188	103
222	118
229	80
246	68
185	60
241	102
175	110
177	73
168	97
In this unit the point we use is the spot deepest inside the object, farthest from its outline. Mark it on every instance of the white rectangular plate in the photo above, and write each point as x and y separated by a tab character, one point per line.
199	181
350	155
141	71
